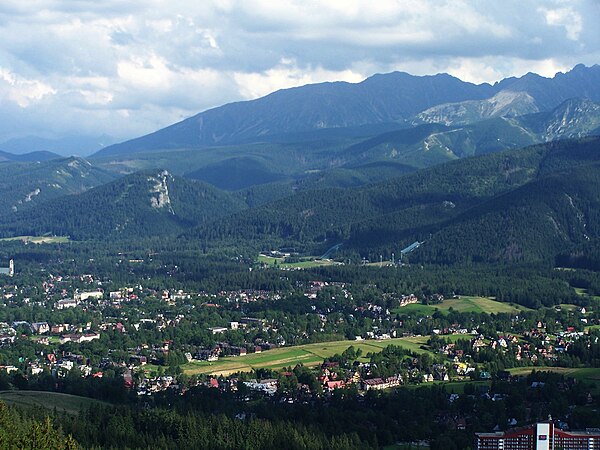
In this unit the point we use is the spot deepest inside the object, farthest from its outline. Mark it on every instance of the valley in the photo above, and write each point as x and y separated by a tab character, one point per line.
322	255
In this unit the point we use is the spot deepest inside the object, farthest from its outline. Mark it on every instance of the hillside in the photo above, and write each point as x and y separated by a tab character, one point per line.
27	157
245	166
537	221
518	205
139	205
394	117
394	97
379	99
387	216
26	184
429	144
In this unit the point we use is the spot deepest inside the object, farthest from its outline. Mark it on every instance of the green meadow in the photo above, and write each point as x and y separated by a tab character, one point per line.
70	404
464	303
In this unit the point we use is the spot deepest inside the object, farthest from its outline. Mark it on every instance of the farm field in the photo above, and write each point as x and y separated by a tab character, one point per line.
308	354
70	404
464	303
39	239
306	262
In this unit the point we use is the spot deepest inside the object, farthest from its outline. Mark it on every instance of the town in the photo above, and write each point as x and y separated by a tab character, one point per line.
157	340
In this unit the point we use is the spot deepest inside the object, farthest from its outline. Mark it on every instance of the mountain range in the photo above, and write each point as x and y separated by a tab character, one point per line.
395	97
66	146
503	172
396	117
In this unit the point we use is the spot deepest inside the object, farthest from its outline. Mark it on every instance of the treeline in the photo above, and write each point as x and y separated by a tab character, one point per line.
188	268
21	429
160	428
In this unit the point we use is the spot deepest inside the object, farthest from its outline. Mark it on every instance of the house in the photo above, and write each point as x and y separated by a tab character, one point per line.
380	383
66	303
79	338
7	339
268	386
10	270
238	351
217	330
208	355
332	385
138	360
252	321
40	327
128	379
58	329
83	296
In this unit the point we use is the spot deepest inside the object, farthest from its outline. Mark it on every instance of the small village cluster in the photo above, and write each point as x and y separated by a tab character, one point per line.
76	321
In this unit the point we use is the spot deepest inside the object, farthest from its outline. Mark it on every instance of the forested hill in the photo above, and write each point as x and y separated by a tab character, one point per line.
136	206
25	184
526	204
387	216
535	222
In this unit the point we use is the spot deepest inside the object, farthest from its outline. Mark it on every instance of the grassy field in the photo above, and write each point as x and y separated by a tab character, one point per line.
306	263
51	339
588	374
463	304
39	239
71	404
584	293
452	387
309	355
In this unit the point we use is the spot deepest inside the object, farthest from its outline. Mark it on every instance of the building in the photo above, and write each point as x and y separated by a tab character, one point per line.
217	330
83	296
10	270
66	303
40	327
540	436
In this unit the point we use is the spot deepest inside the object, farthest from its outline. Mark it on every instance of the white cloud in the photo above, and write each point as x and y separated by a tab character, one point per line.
287	74
22	91
567	18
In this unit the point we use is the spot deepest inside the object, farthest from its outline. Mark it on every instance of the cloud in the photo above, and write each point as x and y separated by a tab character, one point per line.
22	91
567	18
287	74
128	68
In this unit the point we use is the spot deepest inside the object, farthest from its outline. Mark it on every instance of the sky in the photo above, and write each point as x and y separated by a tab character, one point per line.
127	68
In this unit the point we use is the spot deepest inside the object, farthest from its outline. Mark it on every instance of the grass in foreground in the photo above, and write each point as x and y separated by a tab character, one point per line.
70	404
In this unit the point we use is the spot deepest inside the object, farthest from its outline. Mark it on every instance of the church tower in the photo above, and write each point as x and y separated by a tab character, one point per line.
11	268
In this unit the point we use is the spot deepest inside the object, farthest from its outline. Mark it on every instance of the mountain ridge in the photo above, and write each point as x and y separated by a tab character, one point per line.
394	97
